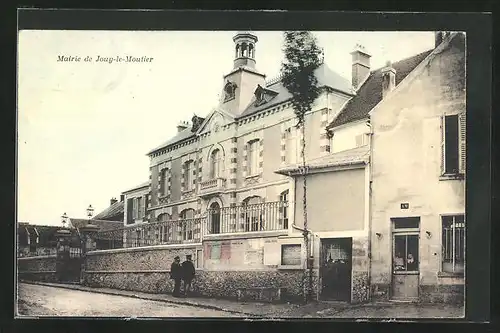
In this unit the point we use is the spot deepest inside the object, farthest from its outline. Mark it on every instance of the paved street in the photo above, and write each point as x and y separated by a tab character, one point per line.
36	300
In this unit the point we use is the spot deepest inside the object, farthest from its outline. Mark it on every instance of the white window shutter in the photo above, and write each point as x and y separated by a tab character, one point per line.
461	141
443	153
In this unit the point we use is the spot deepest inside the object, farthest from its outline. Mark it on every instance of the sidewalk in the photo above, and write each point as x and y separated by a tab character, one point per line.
321	309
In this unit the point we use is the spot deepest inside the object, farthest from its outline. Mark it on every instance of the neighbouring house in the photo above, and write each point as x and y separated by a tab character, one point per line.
110	235
39	240
115	211
418	178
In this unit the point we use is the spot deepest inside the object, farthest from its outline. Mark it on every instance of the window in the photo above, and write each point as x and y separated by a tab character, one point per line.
187	225
215	218
291	147
361	140
453	144
284	210
406	256
163	182
165	230
139	206
290	254
215	164
188	175
253	157
130	211
253	215
453	244
229	91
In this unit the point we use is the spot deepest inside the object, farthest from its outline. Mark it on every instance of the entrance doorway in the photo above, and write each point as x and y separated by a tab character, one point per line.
405	258
335	269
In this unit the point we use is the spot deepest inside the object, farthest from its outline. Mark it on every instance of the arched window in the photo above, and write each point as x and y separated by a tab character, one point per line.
283	204
187	223
251	51
214	218
244	50
164	230
253	213
215	164
237	51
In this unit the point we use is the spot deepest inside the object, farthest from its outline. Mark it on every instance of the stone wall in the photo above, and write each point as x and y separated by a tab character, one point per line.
40	268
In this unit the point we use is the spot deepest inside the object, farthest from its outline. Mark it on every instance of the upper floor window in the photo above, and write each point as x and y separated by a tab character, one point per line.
138	208
215	164
453	243
229	91
291	147
163	182
188	175
453	144
253	157
165	230
361	140
253	214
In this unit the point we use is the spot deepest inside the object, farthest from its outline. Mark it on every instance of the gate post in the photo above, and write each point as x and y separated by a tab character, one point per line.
89	235
62	254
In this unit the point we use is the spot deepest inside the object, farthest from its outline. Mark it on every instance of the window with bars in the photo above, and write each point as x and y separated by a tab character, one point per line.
453	243
165	230
253	214
453	144
187	226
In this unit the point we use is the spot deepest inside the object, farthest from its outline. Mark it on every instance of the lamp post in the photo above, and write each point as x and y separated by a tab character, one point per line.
64	220
90	212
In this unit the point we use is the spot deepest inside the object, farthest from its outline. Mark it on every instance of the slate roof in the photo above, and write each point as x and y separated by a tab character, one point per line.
181	136
370	93
342	158
113	212
137	187
326	77
102	224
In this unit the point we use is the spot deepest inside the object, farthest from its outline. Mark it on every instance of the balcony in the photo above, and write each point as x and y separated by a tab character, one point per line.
269	216
212	186
157	233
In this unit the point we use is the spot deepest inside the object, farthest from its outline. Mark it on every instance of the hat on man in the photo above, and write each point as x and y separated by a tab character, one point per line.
188	257
177	258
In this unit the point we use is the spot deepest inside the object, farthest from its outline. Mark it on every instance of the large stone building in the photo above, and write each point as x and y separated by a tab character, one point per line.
381	183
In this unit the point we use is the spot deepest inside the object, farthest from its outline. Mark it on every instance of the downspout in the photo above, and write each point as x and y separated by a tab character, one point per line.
370	166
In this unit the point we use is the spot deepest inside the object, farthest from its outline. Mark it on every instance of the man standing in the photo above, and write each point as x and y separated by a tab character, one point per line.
188	274
176	275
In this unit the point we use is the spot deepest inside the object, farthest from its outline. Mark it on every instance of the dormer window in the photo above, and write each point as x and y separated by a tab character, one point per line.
263	95
229	91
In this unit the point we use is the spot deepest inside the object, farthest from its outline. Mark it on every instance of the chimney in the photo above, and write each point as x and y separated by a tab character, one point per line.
360	65
122	197
182	126
388	79
438	38
112	201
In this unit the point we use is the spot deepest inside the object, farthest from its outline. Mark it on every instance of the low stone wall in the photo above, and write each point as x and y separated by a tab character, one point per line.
147	269
39	268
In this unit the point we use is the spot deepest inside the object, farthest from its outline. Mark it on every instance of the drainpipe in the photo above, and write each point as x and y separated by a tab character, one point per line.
370	166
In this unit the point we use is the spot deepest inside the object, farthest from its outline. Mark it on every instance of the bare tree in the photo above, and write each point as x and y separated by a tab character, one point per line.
301	58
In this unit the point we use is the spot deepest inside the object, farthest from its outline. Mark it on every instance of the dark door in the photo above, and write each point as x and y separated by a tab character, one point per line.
336	266
69	265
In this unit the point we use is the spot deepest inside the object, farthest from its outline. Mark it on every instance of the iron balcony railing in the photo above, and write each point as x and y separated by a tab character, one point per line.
267	216
156	233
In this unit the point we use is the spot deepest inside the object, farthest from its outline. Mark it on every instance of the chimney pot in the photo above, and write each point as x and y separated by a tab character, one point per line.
113	201
122	197
182	126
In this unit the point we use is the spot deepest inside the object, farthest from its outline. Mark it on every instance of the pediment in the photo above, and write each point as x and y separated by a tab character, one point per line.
215	119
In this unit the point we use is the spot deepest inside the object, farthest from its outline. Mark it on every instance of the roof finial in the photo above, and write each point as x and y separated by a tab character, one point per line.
322	55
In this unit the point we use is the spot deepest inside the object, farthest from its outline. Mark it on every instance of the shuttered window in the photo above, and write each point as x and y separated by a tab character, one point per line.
453	148
130	209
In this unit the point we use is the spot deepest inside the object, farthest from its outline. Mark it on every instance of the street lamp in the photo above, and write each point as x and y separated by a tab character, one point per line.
64	219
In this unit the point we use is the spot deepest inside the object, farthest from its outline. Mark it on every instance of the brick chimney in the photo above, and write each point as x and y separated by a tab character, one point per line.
182	126
112	201
360	65
122	197
388	79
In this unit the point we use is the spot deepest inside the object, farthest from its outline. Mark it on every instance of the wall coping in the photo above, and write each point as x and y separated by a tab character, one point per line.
145	248
246	235
36	272
135	271
50	256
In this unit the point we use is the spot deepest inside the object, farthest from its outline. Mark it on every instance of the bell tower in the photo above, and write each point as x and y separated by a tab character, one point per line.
240	84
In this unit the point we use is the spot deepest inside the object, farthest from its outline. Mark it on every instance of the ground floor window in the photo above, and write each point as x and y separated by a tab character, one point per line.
453	243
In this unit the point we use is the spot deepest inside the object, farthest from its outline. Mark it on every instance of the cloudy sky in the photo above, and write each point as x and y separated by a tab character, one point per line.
84	128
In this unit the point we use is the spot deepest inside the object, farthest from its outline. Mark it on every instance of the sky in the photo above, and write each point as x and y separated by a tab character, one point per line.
84	129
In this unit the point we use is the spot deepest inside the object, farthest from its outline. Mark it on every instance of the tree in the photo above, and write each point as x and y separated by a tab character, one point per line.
301	58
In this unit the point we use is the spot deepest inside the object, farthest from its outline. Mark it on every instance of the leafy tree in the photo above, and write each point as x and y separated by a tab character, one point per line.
302	56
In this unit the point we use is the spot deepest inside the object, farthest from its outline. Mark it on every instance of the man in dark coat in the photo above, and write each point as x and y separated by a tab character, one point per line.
188	272
176	275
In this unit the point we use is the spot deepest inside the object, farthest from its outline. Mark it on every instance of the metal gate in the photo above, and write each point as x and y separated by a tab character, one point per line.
69	265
